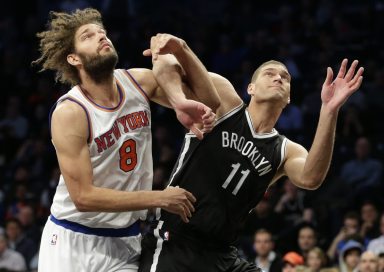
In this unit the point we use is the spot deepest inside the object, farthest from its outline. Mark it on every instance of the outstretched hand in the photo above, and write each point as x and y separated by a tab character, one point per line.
336	91
162	44
192	114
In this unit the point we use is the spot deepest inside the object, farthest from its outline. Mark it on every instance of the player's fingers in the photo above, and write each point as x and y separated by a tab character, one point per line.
329	77
357	75
207	130
343	68
182	214
190	207
197	132
209	119
357	84
188	210
351	70
352	83
207	112
190	197
147	52
153	42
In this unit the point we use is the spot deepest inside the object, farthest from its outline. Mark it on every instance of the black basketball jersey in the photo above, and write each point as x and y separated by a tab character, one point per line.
228	172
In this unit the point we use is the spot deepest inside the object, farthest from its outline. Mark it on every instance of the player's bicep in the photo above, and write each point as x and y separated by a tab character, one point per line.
294	163
69	136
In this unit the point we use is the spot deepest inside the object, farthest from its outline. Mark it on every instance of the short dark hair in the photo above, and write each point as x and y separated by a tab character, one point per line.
257	72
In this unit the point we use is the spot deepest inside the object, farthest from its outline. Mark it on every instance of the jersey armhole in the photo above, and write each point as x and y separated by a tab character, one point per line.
70	98
137	85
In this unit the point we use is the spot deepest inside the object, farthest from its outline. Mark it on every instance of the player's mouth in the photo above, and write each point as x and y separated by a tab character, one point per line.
104	45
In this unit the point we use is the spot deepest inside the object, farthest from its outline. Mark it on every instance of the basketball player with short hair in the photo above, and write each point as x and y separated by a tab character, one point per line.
231	168
101	130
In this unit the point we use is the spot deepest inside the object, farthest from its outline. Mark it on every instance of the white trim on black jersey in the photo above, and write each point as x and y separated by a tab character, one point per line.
254	133
229	114
182	155
222	118
159	246
283	151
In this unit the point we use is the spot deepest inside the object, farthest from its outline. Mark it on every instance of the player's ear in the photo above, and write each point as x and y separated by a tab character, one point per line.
73	59
251	88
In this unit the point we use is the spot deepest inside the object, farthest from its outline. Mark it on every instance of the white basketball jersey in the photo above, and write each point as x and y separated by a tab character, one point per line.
120	147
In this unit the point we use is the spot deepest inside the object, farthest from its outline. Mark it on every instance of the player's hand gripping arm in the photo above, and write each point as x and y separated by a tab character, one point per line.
309	169
69	135
168	50
168	73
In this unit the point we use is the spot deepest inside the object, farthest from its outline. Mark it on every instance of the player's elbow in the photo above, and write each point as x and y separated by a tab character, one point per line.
313	183
82	203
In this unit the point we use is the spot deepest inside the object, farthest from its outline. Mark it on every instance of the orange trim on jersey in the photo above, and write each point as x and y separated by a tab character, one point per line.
121	100
138	87
90	129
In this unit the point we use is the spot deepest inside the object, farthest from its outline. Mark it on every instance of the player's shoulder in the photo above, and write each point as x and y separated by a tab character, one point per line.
69	119
145	79
294	149
229	99
68	108
69	112
141	74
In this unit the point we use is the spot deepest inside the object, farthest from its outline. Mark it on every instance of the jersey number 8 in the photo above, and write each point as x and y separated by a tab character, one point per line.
128	156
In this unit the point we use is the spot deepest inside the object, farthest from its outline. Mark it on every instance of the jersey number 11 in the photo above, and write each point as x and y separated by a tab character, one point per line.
244	173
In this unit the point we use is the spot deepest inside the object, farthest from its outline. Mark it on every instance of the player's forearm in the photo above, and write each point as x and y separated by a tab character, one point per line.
109	200
320	154
168	75
197	77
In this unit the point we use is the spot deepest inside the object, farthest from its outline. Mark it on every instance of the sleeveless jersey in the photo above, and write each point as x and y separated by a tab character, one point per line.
228	172
120	147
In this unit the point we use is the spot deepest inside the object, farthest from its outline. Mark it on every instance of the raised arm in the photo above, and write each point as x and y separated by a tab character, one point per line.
69	136
309	169
171	54
194	116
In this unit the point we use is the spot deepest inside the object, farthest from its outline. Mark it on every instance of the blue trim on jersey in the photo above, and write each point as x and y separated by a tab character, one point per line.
132	230
138	85
104	107
81	105
50	117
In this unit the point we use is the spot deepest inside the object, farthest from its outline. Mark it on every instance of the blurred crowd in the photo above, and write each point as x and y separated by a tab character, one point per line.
339	226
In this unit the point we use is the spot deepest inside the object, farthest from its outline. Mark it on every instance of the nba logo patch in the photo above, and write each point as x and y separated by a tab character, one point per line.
54	239
166	236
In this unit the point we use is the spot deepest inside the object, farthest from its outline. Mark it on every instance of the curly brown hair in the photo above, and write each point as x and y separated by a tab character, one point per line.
57	42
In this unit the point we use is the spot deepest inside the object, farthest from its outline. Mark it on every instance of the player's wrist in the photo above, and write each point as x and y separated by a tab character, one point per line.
180	51
329	110
157	199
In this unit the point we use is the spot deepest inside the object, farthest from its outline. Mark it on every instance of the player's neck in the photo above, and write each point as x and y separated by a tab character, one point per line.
263	260
263	116
103	93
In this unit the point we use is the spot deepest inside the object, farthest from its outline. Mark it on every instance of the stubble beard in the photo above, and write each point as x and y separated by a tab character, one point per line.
99	67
